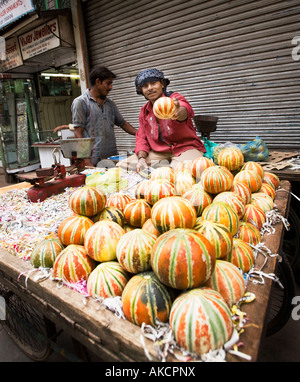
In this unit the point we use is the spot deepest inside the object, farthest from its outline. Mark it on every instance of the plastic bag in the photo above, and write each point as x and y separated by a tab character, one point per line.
209	146
256	150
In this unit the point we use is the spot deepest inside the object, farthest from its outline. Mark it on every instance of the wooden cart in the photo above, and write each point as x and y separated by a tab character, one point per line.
115	339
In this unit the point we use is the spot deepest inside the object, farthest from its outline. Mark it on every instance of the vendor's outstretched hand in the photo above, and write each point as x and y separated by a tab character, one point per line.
180	113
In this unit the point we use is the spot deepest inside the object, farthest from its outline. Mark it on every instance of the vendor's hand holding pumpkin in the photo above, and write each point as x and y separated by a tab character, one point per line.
180	113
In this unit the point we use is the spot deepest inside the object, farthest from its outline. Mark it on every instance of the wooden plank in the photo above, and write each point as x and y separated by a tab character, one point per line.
257	311
19	186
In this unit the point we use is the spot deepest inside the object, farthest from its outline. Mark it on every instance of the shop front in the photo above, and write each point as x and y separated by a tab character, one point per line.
38	81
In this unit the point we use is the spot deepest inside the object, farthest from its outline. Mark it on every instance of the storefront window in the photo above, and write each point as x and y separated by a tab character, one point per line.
55	86
18	123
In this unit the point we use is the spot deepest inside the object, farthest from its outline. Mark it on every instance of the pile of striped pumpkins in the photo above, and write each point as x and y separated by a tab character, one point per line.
176	252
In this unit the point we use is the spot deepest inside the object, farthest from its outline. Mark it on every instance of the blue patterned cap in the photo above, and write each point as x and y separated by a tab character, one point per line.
149	75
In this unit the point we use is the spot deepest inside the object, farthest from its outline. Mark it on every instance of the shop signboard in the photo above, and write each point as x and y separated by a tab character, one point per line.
12	10
40	40
13	57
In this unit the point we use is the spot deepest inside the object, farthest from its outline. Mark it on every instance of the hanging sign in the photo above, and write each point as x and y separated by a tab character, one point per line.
13	57
11	10
40	39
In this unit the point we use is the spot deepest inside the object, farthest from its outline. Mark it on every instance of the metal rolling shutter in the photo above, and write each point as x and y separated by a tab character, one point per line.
230	59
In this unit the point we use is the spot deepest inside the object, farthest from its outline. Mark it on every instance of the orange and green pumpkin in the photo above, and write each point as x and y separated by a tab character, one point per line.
134	250
200	320
231	158
217	234
243	190
271	179
118	200
145	299
87	201
113	214
254	215
251	178
183	258
234	200
241	255
158	189
249	233
148	226
199	165
268	189
137	212
199	198
228	280
173	212
164	108
254	166
73	264
101	240
45	252
183	167
140	189
223	213
216	179
165	172
263	201
107	280
73	229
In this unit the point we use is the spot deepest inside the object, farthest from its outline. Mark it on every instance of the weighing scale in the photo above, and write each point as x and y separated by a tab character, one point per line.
55	179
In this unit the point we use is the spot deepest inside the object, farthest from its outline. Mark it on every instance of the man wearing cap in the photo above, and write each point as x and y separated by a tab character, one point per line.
162	141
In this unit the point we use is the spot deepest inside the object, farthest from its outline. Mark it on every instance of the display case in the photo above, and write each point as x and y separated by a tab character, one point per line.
18	124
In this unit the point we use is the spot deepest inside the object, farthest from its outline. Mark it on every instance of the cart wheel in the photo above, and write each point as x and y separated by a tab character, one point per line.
291	244
281	299
29	329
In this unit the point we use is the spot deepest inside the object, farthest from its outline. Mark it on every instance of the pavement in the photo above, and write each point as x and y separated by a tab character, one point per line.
282	346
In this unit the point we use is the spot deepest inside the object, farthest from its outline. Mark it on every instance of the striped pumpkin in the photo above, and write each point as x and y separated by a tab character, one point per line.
228	280
118	200
271	179
134	250
45	252
165	172
113	214
158	189
101	240
182	185
199	198
183	258
241	255
231	158
249	233
216	179
164	108
183	167
223	213
254	166
263	201
250	178
199	165
107	280
73	229
173	212
137	212
145	299
268	189
217	234
149	227
200	320
73	264
243	190
87	201
141	189
234	200
254	215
